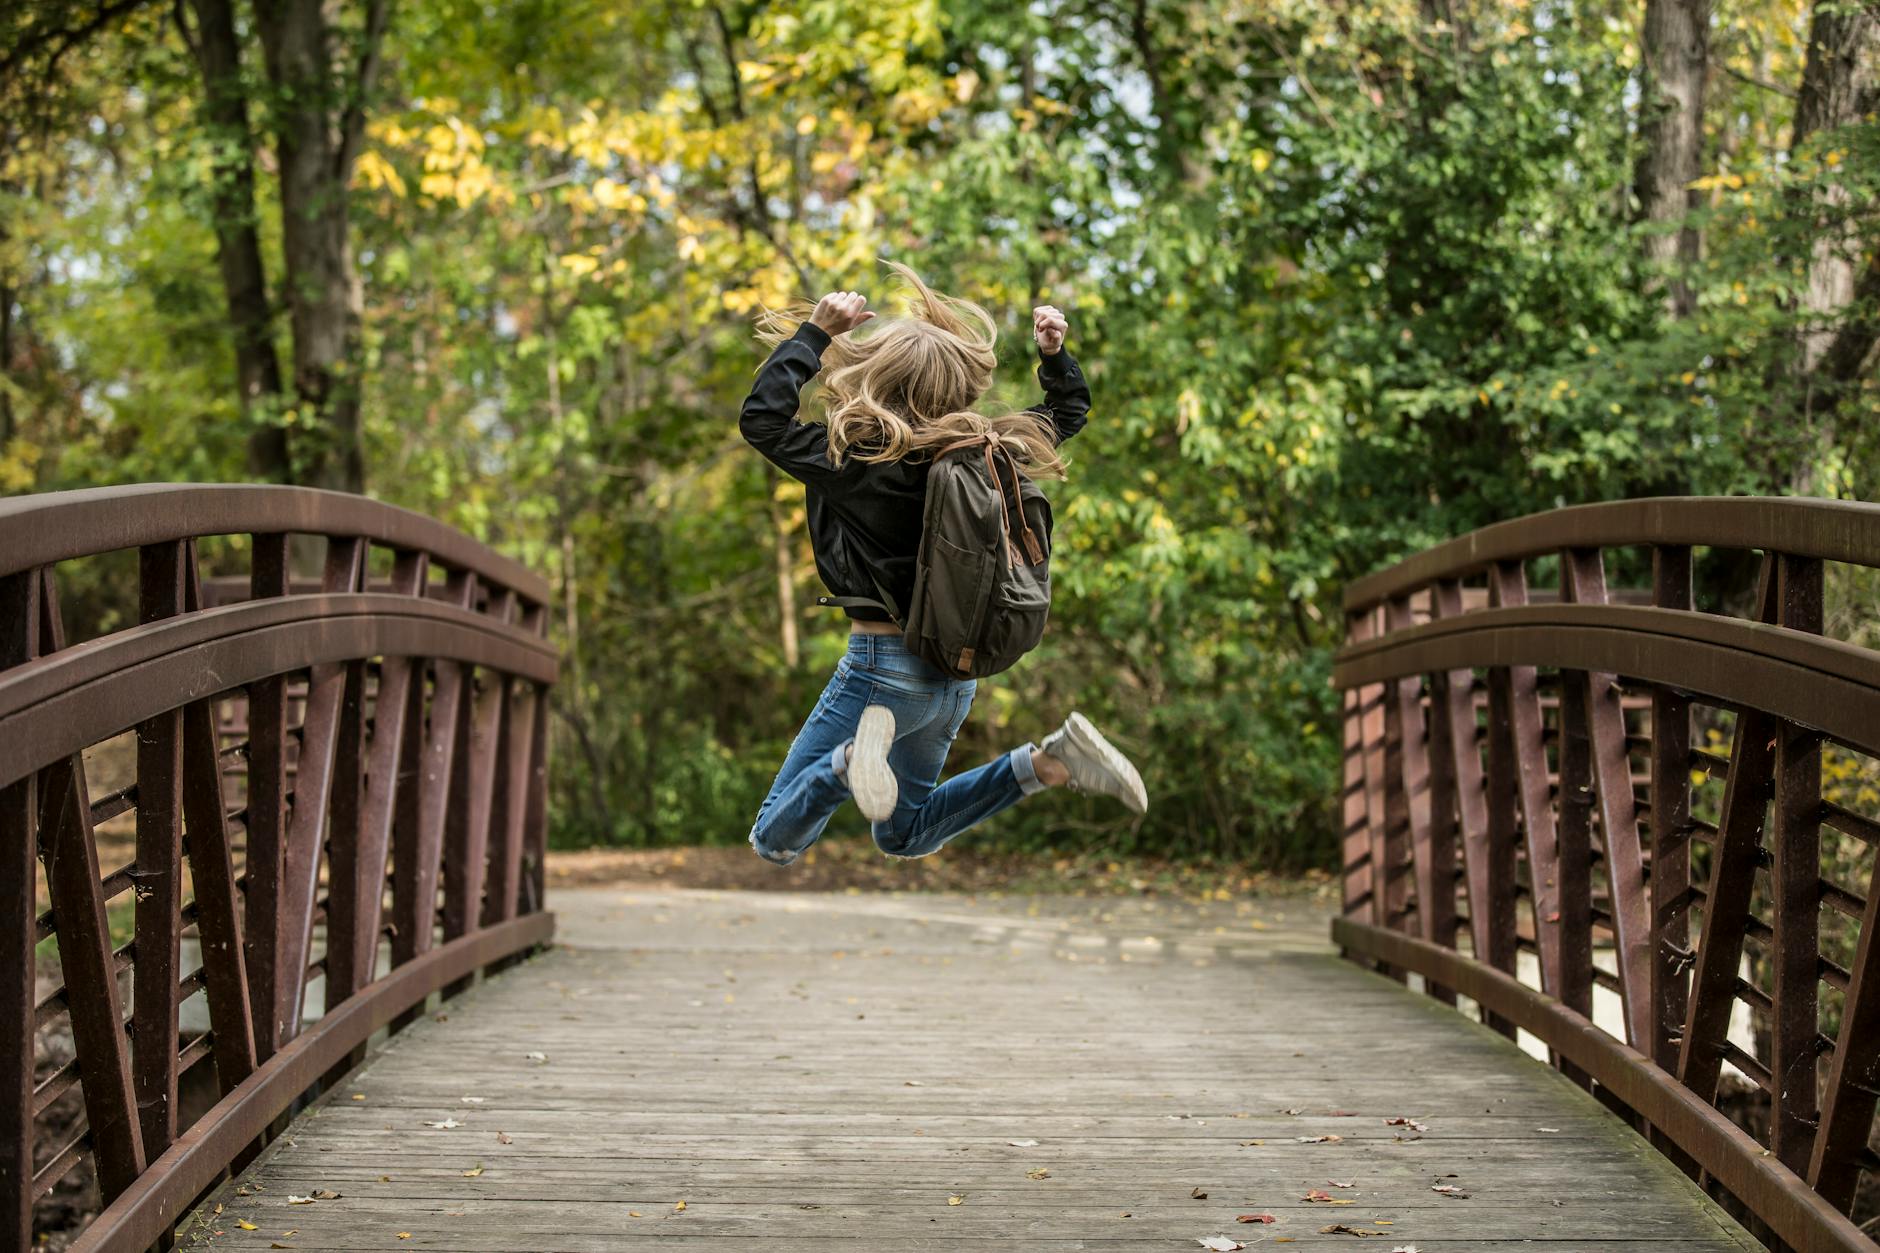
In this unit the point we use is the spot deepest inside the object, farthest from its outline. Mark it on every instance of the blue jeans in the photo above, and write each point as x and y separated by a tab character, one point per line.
928	709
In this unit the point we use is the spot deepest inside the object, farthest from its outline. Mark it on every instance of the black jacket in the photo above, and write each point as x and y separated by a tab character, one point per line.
865	518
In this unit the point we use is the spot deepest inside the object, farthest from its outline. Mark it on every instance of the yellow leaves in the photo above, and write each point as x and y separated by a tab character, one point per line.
372	170
956	1200
806	125
1261	160
580	264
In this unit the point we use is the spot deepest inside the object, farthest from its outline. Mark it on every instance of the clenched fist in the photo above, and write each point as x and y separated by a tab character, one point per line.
840	311
1047	328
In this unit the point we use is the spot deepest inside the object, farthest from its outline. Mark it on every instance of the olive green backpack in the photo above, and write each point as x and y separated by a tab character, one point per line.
982	581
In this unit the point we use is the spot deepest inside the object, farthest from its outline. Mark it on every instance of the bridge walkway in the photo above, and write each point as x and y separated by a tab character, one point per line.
927	1074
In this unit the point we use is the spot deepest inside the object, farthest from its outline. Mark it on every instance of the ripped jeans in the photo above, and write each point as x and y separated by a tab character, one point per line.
928	709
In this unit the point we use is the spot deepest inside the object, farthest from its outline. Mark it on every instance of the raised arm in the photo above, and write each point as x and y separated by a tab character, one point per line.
768	418
1066	396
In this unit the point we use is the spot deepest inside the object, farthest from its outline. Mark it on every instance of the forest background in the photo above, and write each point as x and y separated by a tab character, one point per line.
1347	278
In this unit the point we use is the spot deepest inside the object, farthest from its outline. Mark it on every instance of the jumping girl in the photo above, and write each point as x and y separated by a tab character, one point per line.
892	397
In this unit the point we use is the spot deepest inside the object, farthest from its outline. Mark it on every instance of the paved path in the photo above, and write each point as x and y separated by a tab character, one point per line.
928	1074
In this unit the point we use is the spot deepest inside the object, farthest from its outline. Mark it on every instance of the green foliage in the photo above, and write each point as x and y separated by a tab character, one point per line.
1345	283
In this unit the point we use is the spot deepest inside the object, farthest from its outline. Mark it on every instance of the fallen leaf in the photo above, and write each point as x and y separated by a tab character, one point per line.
1333	1183
404	1235
1339	1229
1220	1244
1449	1190
1552	1131
1251	1143
1319	1139
1411	1123
633	1213
536	1057
1023	1144
914	1083
956	1200
1199	1195
245	1225
679	1208
473	1100
359	1096
385	1178
474	1171
1254	1218
276	1244
447	1125
1406	1248
299	1200
1038	1173
502	1137
1292	1113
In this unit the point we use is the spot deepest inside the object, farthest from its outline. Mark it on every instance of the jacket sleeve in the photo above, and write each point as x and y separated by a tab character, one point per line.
1066	396
768	419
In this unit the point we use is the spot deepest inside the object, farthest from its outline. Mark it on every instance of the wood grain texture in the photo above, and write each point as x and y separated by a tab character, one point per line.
818	1072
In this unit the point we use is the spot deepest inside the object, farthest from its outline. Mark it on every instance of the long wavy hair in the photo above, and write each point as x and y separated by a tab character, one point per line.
907	385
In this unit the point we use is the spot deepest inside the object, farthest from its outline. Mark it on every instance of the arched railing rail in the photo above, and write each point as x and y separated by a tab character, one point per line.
1539	816
330	787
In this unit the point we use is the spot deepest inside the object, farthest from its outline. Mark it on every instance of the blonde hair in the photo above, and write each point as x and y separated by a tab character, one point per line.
904	385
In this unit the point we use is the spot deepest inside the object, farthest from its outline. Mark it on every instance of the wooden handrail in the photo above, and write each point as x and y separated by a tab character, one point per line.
1524	810
386	739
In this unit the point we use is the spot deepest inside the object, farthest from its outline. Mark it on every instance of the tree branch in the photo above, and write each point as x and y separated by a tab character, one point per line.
68	38
353	124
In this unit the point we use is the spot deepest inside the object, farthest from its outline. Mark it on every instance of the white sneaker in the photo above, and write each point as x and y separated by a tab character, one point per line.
871	781
1095	764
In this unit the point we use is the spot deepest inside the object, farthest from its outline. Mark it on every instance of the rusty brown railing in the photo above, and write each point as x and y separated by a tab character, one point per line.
1529	800
343	785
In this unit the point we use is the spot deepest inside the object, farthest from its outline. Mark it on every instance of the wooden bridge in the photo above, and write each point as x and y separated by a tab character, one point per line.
322	1005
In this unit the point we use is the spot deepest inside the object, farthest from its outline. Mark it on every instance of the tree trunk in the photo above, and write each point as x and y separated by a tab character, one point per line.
317	125
1839	82
784	559
237	240
1671	127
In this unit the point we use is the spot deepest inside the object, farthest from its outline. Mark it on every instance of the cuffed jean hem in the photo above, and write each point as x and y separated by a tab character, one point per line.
1028	781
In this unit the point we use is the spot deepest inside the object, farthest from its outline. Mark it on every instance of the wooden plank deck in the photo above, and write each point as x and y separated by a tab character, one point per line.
803	1073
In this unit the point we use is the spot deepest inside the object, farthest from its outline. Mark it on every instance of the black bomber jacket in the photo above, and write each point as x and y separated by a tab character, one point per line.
865	517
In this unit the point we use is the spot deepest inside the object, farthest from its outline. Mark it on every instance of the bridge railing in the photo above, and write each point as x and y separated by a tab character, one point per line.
1538	817
338	786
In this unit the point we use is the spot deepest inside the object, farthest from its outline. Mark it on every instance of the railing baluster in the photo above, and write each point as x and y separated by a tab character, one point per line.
1406	782
467	850
509	813
321	731
85	959
1795	878
1433	868
1573	801
266	825
1360	877
535	832
1671	836
19	832
1453	726
1508	589
159	880
1618	811
1375	733
1732	876
1854	1074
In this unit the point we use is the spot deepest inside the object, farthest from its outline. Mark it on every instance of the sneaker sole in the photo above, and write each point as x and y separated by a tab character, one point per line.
1136	797
871	781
